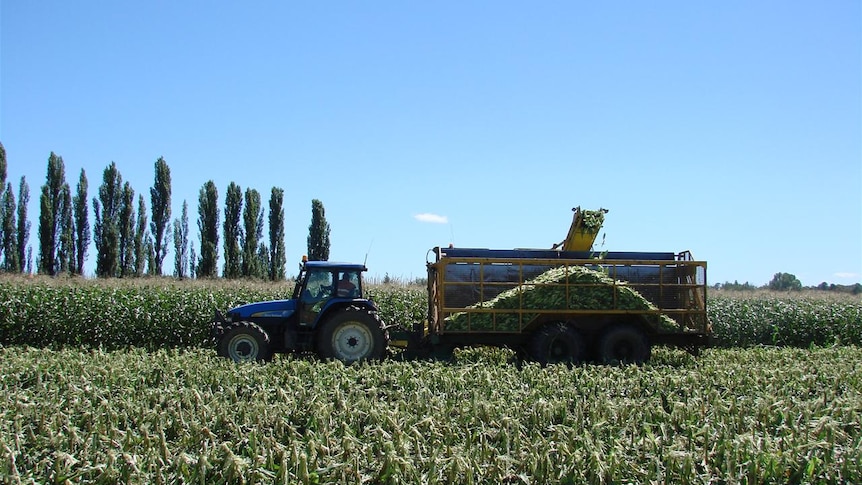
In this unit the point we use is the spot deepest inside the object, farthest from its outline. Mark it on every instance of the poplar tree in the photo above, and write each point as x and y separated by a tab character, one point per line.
23	230
66	249
50	211
318	233
106	230
151	256
192	263
208	222
181	243
2	196
263	260
277	258
11	262
142	238
126	250
252	265
160	199
82	223
232	231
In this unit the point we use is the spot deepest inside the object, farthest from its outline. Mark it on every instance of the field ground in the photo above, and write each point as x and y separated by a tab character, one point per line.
742	415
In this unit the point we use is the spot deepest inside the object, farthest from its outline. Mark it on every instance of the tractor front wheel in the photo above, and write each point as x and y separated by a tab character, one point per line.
351	335
245	342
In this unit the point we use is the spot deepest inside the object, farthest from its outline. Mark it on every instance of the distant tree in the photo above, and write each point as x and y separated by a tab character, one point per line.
82	223
66	250
192	262
736	286
142	239
232	232
2	166
208	222
160	198
2	192
151	256
22	234
181	243
51	207
2	163
106	230
263	260
11	262
126	250
784	282
318	233
252	265
277	258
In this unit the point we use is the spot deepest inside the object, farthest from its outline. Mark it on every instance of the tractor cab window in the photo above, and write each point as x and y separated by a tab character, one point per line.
348	284
318	289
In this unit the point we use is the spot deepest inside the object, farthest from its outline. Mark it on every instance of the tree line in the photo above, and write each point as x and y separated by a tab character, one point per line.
132	241
789	282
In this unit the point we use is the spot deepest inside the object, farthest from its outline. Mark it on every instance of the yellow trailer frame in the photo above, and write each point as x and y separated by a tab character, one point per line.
461	287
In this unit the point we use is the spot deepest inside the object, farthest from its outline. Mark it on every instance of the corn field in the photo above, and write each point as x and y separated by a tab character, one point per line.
156	314
756	415
114	382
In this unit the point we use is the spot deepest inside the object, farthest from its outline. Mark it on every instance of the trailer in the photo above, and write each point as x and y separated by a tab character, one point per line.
562	306
566	304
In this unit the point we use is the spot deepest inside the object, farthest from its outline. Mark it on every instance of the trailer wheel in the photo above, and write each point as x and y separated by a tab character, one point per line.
245	342
624	344
352	335
557	343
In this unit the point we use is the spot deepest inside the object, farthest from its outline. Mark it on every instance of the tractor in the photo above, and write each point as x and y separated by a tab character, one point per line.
327	314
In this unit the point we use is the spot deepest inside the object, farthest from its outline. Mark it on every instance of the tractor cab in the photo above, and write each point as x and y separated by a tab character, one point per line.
322	285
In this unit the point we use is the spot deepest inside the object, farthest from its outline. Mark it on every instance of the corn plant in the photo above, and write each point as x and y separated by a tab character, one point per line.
159	313
756	415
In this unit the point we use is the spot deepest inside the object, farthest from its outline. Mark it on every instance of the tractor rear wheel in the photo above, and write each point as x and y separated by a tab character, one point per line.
557	343
352	335
245	342
624	344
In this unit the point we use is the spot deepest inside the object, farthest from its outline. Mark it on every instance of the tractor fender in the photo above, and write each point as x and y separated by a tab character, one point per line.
336	305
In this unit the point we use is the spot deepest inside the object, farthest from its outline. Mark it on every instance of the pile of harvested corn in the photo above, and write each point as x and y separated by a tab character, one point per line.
560	288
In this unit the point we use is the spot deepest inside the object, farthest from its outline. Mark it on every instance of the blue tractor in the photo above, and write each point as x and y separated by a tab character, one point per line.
327	314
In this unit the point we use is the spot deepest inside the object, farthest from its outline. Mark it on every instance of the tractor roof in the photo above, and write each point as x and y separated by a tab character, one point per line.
331	265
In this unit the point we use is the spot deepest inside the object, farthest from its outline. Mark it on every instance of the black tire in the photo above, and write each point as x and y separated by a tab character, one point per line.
245	342
624	344
557	343
351	335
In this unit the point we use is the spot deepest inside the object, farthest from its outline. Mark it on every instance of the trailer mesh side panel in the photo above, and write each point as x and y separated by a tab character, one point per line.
507	295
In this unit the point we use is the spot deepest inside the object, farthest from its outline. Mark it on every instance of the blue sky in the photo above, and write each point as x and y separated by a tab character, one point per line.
732	129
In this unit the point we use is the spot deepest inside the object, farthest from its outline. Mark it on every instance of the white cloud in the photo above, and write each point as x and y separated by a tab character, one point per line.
847	275
432	218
